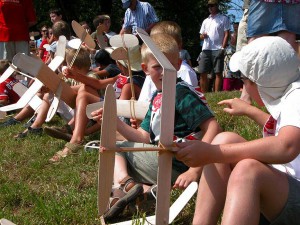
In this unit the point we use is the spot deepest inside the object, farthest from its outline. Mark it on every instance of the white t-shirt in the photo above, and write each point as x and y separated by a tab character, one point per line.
215	28
290	116
185	72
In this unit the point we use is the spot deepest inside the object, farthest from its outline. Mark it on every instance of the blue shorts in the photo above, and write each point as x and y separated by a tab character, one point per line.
268	18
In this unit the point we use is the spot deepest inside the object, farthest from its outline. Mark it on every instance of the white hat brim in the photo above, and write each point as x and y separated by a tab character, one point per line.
234	63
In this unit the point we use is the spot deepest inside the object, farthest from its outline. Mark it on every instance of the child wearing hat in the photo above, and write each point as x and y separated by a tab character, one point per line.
259	178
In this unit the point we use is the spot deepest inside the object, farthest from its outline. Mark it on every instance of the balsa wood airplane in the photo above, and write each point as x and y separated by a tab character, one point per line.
30	94
87	40
109	127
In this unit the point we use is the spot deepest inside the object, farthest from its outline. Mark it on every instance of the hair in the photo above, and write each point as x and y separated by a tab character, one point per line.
82	60
100	19
170	28
56	11
4	64
103	57
61	28
165	43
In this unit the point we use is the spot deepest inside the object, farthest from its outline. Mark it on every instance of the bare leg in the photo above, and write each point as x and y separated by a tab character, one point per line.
290	38
254	187
203	82
120	171
213	185
42	113
218	82
25	113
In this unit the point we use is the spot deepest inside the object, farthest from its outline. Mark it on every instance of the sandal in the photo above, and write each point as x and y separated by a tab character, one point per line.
29	131
73	148
122	196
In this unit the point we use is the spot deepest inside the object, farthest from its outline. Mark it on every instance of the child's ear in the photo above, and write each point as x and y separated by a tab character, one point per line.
179	64
145	68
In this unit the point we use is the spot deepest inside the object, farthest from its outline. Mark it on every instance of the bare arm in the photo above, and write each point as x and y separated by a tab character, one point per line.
210	129
238	107
272	150
225	40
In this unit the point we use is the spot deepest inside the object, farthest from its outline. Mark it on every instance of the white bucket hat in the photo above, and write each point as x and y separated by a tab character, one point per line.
273	65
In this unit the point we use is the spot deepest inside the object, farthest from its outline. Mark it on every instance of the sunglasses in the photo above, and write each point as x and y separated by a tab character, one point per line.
44	30
209	6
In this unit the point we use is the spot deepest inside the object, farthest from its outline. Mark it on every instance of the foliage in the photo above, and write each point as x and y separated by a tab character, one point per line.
189	14
34	191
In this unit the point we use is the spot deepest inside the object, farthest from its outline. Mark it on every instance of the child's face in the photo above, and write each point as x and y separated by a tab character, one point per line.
155	70
251	88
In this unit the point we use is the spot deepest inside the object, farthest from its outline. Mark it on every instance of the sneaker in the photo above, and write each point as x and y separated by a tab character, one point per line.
29	131
64	133
10	122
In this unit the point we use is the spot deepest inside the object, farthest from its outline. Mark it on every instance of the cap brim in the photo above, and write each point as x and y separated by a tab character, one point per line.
234	63
126	5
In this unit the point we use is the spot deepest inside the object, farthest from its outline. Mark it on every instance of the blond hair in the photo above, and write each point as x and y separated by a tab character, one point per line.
168	27
82	60
165	43
4	64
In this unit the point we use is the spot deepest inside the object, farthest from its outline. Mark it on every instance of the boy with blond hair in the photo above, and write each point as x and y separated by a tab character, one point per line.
185	72
136	171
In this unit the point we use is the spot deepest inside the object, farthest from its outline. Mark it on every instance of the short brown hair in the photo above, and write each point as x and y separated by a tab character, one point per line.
82	60
61	28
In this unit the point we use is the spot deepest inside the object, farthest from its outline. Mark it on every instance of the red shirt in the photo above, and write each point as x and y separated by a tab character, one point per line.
7	92
15	15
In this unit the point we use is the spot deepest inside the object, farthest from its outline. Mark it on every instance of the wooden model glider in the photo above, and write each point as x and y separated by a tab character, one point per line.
84	38
4	221
37	84
124	108
44	74
108	129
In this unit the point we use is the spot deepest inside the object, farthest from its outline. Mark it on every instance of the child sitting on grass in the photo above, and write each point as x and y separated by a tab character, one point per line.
257	179
135	172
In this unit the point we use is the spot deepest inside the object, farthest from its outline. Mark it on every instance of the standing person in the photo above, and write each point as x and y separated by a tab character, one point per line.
138	14
282	20
14	28
215	33
262	176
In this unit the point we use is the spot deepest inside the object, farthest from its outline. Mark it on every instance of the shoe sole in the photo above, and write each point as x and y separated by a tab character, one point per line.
57	134
120	205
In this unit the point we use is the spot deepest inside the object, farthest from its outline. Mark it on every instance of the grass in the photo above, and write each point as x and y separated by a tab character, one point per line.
33	191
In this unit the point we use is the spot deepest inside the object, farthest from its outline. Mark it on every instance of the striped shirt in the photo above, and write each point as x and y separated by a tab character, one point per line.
143	16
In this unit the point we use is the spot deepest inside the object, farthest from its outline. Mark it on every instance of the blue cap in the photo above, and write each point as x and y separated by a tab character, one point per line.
126	4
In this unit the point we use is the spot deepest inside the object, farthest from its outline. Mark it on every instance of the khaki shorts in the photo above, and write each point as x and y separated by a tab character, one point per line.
143	166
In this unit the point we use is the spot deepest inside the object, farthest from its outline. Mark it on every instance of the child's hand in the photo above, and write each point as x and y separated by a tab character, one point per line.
185	179
236	106
193	153
97	115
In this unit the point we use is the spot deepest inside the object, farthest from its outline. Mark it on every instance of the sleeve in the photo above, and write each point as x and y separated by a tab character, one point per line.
290	113
145	125
202	29
152	14
226	24
193	111
112	70
126	24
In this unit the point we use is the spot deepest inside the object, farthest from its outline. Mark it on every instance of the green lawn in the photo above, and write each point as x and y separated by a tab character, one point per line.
34	191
